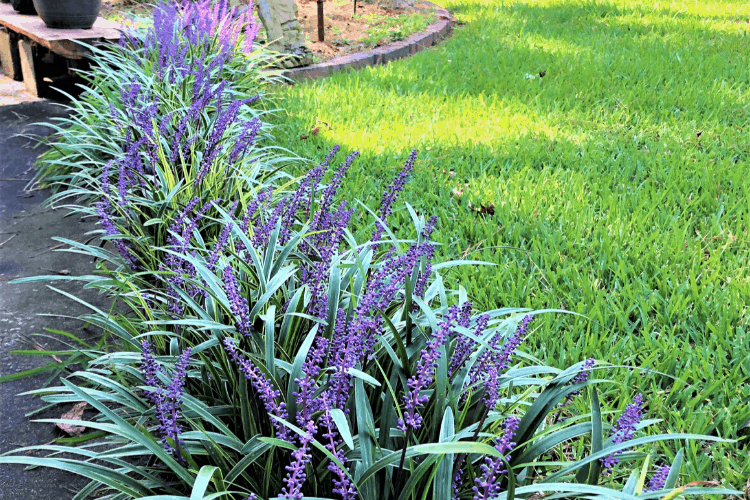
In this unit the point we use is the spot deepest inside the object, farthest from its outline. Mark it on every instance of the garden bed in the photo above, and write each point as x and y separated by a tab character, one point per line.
346	32
372	26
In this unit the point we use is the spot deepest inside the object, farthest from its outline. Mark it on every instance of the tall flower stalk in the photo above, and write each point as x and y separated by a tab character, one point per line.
624	429
166	398
489	484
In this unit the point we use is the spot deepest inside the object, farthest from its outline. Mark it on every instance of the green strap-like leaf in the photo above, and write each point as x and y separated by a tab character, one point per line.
119	481
443	479
299	360
202	481
365	423
674	470
428	449
270	353
339	418
632	444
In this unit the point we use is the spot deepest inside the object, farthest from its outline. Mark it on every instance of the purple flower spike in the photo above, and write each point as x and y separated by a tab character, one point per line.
222	241
424	373
493	362
489	484
584	374
624	428
341	484
658	480
501	356
237	303
149	367
167	400
103	209
296	476
263	387
171	413
390	195
251	31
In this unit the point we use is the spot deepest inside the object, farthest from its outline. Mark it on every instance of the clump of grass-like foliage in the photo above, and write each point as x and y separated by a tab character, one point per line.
267	346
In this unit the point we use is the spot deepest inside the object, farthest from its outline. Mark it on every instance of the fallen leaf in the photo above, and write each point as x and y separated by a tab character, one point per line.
74	414
313	131
486	210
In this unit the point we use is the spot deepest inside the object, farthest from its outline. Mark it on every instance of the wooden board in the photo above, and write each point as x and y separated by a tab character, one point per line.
9	59
59	41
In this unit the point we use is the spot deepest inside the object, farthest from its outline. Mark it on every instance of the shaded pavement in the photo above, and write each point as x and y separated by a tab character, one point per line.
26	249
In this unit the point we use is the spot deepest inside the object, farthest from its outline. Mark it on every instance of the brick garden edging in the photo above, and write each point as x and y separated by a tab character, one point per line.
381	55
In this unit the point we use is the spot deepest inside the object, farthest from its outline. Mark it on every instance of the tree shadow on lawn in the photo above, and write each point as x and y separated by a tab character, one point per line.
485	88
567	238
652	65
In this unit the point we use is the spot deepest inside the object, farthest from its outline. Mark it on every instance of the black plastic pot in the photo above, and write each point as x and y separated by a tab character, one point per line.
23	6
68	14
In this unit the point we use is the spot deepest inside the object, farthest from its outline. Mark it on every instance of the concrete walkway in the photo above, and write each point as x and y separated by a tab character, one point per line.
12	92
26	249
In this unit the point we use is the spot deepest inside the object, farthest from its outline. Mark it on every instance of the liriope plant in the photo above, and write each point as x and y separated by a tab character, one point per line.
163	129
269	347
187	83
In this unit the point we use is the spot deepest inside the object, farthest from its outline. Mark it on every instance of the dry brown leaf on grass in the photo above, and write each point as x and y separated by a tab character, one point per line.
313	131
484	209
75	414
316	130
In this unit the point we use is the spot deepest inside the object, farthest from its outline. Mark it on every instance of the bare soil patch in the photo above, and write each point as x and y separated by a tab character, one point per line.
345	32
372	26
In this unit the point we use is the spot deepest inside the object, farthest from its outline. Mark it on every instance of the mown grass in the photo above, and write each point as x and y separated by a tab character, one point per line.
619	182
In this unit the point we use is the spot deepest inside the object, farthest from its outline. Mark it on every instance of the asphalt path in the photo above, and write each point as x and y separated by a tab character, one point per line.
27	227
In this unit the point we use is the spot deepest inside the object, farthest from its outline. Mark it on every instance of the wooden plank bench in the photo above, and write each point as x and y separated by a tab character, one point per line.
40	56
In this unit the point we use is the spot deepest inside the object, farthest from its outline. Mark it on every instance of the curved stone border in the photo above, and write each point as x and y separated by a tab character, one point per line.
381	55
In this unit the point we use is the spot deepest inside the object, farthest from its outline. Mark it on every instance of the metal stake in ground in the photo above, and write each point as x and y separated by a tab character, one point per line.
321	22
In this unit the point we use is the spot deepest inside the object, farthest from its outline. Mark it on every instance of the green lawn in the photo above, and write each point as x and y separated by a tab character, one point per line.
619	182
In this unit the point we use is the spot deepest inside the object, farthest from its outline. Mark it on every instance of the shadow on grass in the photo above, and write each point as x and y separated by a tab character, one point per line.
657	65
